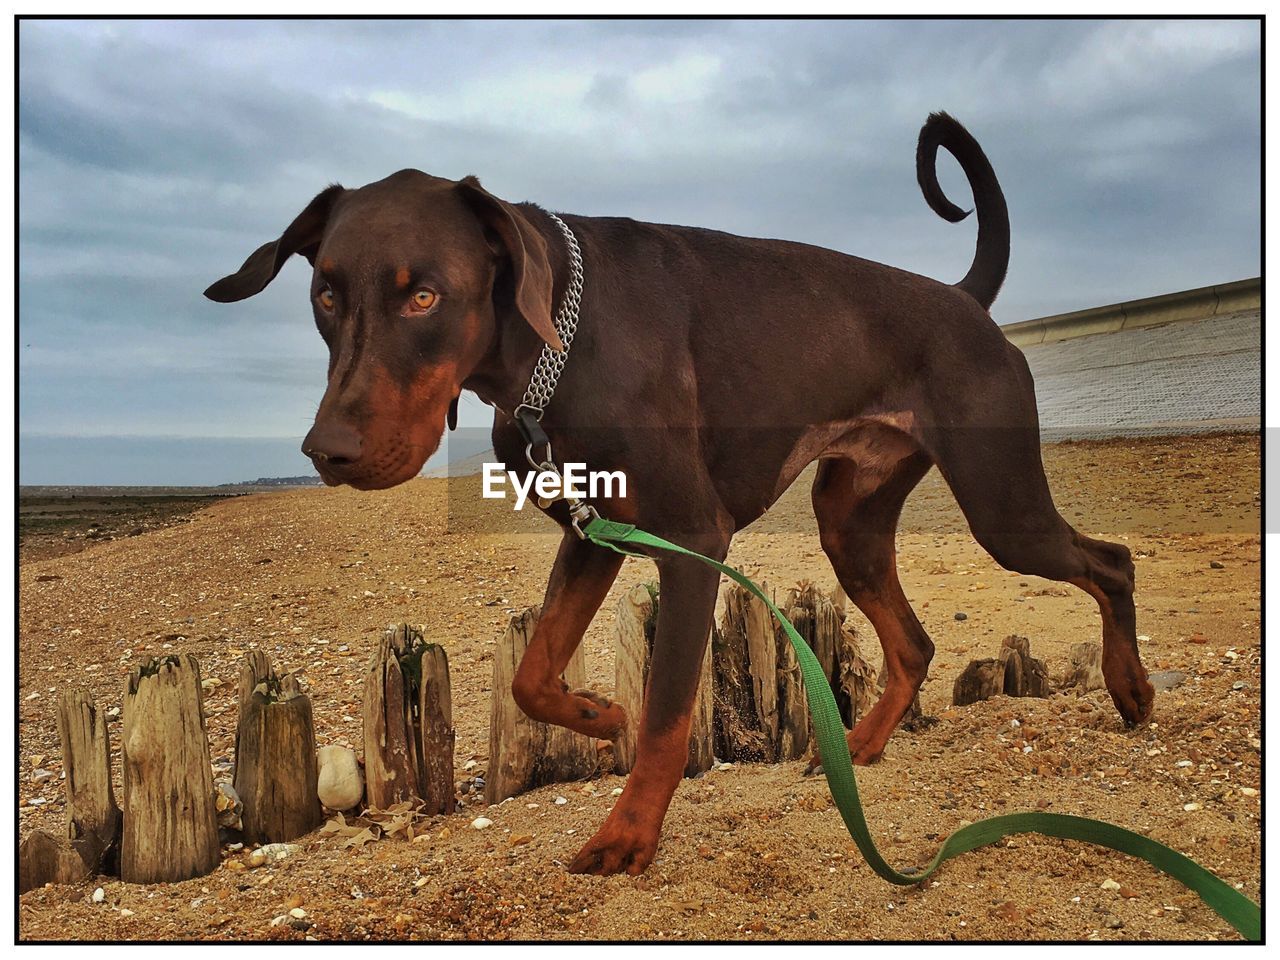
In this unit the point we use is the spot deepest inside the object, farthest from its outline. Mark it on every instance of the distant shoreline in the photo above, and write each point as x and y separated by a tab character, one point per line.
166	490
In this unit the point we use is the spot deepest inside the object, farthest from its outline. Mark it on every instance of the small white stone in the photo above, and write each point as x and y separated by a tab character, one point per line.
297	913
1184	763
617	792
481	823
339	783
469	765
1191	807
99	895
126	912
561	801
1248	792
276	921
1109	884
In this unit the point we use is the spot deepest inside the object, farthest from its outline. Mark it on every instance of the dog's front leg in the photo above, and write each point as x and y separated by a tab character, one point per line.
581	577
628	839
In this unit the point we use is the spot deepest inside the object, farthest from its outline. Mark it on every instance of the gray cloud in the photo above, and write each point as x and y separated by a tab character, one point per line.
153	156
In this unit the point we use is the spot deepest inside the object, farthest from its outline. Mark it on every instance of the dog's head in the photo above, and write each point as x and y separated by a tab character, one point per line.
412	278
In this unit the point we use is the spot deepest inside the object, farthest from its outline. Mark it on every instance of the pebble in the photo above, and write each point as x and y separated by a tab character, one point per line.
561	801
1167	679
339	784
1191	807
1248	792
1215	565
227	804
297	913
99	895
1109	884
41	774
272	853
961	616
616	792
481	823
126	912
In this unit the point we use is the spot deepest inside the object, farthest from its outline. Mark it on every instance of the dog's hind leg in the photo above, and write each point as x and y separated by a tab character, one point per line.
991	460
857	510
582	575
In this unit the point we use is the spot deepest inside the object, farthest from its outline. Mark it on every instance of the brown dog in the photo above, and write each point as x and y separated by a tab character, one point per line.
711	369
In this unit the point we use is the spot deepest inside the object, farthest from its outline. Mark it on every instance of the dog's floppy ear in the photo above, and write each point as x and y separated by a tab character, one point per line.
302	236
528	253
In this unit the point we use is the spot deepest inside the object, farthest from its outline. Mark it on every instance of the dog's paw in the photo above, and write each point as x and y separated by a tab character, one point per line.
866	744
596	716
864	750
616	849
1132	693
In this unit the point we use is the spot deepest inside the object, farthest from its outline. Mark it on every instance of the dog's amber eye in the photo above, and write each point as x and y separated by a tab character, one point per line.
423	299
326	298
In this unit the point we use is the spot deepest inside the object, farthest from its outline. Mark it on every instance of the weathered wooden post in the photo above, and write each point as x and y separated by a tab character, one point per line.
1024	675
746	685
822	623
980	680
635	621
408	723
523	753
436	732
1086	667
1014	672
170	825
275	755
762	712
91	844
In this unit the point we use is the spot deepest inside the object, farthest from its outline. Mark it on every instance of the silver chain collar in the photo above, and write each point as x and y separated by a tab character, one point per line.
546	374
542	385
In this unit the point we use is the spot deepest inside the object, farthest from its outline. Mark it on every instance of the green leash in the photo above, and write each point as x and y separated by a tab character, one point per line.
1235	908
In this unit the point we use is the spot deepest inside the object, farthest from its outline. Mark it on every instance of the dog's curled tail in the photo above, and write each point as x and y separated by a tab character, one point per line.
991	259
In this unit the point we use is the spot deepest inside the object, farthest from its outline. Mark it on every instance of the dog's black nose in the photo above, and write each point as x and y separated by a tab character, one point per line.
332	444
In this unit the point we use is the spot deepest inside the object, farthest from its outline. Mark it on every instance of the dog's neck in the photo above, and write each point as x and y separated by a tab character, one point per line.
502	376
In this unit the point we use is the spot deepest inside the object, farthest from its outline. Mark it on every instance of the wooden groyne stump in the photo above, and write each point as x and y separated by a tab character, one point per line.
276	768
523	753
1014	672
762	712
408	724
91	843
635	622
1024	675
170	825
1085	673
746	657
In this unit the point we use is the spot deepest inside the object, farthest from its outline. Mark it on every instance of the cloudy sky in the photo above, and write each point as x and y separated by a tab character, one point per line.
154	156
